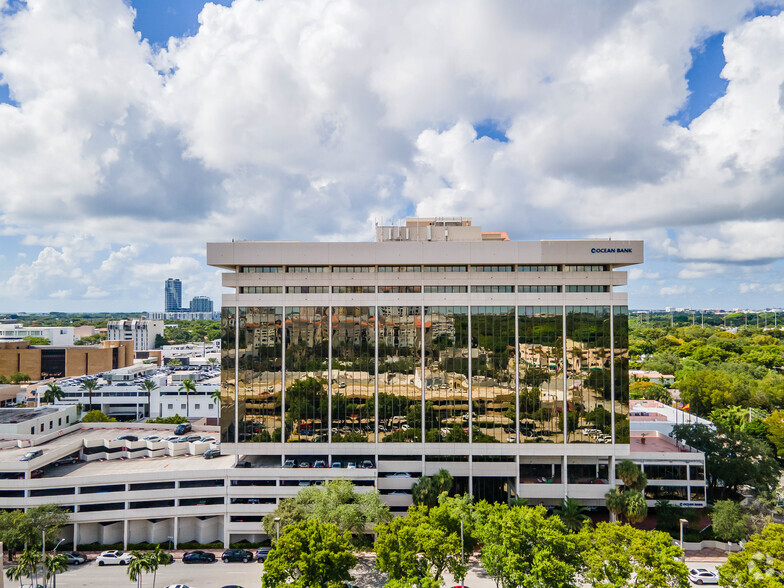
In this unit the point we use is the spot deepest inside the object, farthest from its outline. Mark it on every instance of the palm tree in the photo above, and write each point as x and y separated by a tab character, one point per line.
188	386
137	567
156	559
572	513
212	360
148	386
89	386
28	564
55	564
53	392
14	573
216	398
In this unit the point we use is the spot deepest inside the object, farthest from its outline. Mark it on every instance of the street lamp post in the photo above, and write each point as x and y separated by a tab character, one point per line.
462	554
683	553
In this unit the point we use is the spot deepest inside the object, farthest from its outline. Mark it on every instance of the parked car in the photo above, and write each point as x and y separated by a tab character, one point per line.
290	463
399	475
702	576
113	558
337	465
304	464
172	438
210	453
198	557
127	438
319	463
237	555
71	459
178	586
207	440
152	438
191	438
351	465
367	464
182	428
75	558
262	553
31	455
39	473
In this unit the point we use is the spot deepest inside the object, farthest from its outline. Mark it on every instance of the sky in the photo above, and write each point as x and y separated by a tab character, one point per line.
133	132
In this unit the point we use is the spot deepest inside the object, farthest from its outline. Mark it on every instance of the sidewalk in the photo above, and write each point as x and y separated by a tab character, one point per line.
718	556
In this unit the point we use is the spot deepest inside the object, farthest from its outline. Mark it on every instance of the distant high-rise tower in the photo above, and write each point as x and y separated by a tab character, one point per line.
201	304
173	295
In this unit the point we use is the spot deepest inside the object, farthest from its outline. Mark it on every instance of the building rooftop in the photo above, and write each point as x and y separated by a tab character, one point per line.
13	416
654	442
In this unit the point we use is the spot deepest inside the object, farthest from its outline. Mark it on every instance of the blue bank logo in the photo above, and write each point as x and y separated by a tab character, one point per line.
611	250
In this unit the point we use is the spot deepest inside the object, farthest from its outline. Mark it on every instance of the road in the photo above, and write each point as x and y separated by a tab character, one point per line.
219	574
212	575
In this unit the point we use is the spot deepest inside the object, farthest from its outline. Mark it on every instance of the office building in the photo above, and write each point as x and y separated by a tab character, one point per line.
59	362
201	304
173	295
436	346
57	336
142	332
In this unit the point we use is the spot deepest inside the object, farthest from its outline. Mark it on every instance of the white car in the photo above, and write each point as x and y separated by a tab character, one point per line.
152	438
702	576
114	558
178	586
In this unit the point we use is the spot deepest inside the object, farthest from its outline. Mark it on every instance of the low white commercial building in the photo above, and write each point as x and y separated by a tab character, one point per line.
652	415
35	421
141	332
58	336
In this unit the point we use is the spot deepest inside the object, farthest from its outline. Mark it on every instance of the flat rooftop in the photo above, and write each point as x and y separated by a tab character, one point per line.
653	443
14	416
129	467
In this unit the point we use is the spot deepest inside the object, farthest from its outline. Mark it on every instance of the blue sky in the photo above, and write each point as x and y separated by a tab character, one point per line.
305	119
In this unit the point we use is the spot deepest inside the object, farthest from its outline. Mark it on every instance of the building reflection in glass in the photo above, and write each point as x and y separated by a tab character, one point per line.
589	382
353	373
306	405
492	374
621	329
260	374
540	344
446	374
399	373
227	375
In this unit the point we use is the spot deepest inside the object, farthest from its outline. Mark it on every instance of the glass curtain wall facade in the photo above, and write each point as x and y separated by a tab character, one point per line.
541	373
306	398
589	374
399	373
353	374
393	373
493	374
446	395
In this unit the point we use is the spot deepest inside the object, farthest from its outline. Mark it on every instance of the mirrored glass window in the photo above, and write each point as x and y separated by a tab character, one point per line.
588	361
540	345
492	374
621	328
260	374
353	374
446	374
399	373
306	406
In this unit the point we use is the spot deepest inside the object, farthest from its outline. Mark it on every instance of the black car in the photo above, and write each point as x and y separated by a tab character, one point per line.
262	553
127	438
237	555
182	428
198	557
210	453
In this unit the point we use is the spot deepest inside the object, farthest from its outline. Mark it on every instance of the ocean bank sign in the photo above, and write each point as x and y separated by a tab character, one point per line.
611	249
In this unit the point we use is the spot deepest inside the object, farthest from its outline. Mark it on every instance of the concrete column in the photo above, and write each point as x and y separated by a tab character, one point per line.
125	532
176	533
226	534
76	536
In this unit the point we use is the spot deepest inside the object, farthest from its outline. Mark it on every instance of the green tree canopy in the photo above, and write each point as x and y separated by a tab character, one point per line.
523	547
310	553
732	458
96	416
760	564
427	489
617	556
729	522
335	502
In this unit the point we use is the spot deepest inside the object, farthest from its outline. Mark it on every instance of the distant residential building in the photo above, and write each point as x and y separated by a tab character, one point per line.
56	335
184	315
201	304
84	331
173	295
655	377
141	332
